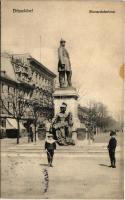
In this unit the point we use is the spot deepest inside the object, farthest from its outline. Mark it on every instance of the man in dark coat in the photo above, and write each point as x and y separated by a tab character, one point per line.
64	65
50	146
111	147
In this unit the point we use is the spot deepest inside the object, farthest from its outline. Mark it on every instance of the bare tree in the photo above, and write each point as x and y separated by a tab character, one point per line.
99	117
15	104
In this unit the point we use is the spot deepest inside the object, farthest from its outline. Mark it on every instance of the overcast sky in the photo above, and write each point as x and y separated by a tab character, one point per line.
94	42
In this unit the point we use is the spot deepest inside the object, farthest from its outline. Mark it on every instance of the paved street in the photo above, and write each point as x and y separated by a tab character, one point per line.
80	175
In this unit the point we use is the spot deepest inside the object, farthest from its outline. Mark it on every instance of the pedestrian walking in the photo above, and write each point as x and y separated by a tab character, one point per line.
50	146
111	148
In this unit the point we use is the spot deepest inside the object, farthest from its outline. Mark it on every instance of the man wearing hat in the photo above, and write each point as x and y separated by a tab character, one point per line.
111	147
64	65
50	146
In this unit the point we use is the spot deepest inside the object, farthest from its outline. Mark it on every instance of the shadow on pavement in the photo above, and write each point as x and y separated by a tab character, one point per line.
42	164
103	165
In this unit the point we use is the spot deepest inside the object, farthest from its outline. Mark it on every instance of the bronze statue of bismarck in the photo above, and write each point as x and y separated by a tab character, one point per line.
64	66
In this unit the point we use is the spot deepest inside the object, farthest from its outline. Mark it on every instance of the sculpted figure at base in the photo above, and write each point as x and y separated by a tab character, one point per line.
60	127
64	66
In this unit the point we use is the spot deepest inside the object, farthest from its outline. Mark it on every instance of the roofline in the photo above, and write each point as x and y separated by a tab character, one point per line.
43	67
6	78
17	83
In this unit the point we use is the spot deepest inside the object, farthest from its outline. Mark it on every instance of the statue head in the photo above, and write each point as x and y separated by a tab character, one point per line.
63	107
62	42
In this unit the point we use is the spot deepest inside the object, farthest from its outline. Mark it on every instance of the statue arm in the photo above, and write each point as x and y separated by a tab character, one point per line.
56	122
55	119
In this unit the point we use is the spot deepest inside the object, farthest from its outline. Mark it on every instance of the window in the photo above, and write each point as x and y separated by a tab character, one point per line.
8	89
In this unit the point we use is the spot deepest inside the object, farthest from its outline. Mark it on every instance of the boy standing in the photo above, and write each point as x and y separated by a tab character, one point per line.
111	147
50	146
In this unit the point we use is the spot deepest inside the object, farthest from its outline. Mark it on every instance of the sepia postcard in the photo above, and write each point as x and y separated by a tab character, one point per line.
61	99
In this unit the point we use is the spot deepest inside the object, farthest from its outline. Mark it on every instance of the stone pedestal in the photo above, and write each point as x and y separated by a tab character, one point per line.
70	97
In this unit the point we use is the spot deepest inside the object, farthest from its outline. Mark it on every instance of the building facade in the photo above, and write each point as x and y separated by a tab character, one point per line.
27	82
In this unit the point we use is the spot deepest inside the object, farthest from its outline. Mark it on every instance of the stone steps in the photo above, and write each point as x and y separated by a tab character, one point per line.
39	148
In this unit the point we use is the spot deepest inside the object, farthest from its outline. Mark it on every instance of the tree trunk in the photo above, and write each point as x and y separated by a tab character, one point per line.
18	130
88	136
35	132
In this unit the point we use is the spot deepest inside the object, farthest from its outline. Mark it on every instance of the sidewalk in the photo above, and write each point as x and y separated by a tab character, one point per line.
70	178
79	171
10	146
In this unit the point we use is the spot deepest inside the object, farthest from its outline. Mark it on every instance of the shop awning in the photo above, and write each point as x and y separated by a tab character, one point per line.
12	124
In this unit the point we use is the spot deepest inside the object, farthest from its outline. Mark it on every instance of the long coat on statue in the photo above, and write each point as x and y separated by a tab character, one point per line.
64	59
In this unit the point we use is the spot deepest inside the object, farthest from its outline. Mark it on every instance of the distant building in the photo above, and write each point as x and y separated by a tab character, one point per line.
21	72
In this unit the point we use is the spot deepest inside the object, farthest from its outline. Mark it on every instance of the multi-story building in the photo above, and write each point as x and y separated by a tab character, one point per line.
23	74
